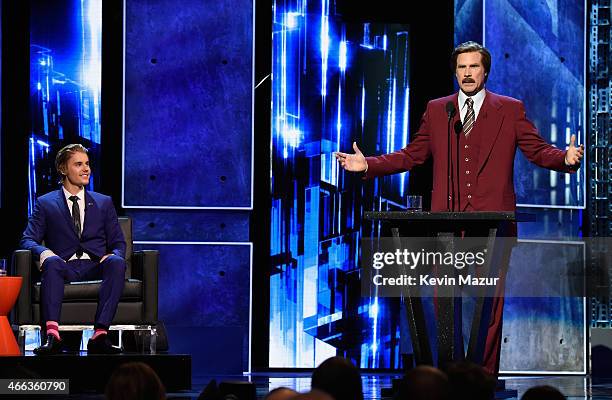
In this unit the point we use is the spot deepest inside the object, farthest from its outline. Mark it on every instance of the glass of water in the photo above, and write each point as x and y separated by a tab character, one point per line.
414	203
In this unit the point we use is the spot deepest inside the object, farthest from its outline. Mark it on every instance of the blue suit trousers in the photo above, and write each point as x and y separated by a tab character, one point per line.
56	272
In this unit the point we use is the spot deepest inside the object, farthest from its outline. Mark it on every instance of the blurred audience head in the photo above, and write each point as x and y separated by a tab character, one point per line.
469	381
424	383
134	381
544	392
313	395
339	378
280	393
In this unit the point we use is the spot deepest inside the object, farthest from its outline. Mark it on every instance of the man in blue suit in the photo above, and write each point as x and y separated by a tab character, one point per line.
82	241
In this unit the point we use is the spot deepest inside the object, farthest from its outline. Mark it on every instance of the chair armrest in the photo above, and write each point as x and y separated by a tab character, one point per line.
22	266
145	267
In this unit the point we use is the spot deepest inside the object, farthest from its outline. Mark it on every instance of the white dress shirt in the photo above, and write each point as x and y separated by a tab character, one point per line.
81	202
478	100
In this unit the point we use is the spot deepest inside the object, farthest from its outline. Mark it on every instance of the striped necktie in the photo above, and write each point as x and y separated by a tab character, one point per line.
468	122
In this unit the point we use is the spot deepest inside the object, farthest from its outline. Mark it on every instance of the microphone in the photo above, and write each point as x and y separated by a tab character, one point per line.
458	127
450	109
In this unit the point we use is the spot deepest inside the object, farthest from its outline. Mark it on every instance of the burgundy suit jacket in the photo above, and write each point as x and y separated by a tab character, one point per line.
504	127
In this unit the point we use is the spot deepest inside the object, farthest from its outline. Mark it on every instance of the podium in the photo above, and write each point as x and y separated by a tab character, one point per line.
444	225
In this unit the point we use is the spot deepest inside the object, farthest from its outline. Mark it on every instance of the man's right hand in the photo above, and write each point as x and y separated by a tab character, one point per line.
352	162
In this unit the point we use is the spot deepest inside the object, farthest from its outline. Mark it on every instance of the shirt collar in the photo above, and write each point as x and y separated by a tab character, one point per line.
80	194
478	98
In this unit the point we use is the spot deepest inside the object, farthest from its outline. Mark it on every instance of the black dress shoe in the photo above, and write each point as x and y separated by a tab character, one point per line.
51	347
102	345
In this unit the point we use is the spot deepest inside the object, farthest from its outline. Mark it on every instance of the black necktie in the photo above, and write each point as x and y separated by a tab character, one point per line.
76	219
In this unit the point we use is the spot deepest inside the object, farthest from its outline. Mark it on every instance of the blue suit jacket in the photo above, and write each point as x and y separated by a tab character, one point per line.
51	222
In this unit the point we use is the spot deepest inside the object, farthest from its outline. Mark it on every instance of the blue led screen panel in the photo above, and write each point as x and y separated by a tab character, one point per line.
333	82
538	56
188	104
65	82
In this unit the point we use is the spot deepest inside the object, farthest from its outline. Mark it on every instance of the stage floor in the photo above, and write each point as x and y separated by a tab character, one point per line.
574	387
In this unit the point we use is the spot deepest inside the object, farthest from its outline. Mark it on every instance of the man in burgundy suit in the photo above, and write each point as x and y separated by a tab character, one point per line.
492	127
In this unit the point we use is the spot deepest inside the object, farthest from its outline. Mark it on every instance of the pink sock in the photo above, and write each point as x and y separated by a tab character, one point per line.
99	332
53	329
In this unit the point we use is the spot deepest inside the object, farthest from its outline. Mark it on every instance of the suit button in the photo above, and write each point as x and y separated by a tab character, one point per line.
469	196
467	172
469	184
466	146
467	159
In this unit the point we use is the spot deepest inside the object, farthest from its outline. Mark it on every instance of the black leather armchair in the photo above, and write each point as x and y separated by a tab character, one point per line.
138	303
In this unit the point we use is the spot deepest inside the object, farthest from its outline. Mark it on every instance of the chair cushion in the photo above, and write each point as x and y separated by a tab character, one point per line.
88	291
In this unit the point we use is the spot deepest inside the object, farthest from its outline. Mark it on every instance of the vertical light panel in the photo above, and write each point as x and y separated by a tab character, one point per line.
65	86
333	82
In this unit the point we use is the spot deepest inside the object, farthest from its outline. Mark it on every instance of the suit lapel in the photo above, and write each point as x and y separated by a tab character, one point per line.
63	207
89	209
489	121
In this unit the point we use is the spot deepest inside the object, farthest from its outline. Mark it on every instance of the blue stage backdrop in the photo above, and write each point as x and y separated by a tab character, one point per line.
187	168
188	105
336	82
333	83
538	56
65	81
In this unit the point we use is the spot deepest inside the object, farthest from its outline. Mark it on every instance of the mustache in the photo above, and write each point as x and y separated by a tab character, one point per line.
468	80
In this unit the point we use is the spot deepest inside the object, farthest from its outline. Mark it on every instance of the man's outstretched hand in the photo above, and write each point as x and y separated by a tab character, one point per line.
574	154
352	162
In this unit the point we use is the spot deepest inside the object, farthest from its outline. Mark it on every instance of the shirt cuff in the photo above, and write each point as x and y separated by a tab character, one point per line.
44	255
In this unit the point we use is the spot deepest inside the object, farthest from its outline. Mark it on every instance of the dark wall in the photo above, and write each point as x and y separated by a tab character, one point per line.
15	125
112	92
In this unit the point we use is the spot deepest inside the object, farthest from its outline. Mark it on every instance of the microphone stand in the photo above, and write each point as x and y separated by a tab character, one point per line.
449	174
458	128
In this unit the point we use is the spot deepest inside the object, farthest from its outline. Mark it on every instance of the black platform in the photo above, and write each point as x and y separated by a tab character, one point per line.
90	373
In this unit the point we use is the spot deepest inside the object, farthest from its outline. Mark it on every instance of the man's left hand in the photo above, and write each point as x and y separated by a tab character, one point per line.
574	154
104	258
